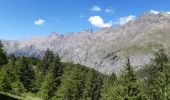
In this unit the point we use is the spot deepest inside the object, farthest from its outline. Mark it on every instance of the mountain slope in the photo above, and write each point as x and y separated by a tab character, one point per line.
106	49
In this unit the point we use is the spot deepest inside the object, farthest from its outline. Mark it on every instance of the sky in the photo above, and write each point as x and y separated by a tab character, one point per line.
21	19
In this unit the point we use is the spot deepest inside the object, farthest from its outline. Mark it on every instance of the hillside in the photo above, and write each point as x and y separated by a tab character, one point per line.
105	49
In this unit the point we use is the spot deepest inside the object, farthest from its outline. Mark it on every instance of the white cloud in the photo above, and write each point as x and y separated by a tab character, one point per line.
168	12
109	10
39	22
157	12
97	21
96	8
124	20
154	12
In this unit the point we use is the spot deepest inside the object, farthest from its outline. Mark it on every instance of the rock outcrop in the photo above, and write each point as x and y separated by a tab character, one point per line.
106	49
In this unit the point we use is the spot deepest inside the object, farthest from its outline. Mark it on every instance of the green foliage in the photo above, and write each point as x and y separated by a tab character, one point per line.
158	77
50	79
128	87
3	57
71	88
48	87
17	87
96	86
54	71
26	73
5	83
47	59
92	85
87	90
107	92
56	68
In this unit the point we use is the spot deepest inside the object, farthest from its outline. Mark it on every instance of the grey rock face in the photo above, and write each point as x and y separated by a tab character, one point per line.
106	49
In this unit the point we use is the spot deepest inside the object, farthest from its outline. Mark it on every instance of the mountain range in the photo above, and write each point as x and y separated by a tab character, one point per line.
106	49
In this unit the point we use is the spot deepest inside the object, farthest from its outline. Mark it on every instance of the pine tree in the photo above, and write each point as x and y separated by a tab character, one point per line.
5	83
108	85
128	86
92	86
8	76
51	64
159	77
56	69
12	57
48	87
87	85
71	87
26	74
112	78
3	57
47	59
96	87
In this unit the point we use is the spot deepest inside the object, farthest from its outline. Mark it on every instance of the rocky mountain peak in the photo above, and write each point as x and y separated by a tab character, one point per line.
154	17
53	35
88	30
105	49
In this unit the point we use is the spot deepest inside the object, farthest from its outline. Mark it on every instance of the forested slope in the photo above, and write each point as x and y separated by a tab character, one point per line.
50	79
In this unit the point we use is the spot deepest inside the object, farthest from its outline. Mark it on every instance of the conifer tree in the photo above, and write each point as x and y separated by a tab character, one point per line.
8	76
52	79
25	73
56	69
3	57
107	92
128	86
96	87
5	83
48	87
92	86
71	87
52	67
87	85
47	59
159	77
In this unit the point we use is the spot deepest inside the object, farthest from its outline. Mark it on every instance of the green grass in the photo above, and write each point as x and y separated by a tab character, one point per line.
27	96
30	96
142	49
12	96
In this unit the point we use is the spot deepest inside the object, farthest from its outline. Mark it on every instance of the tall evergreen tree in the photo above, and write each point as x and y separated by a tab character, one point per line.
93	86
25	73
52	79
49	66
96	87
8	76
5	83
71	87
47	59
107	88
56	69
9	80
159	77
48	87
3	57
87	85
128	86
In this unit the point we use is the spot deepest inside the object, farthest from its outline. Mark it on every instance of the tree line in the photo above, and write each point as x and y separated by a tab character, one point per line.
51	79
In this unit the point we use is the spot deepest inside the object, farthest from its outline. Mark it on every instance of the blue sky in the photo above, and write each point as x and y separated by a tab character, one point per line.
26	18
